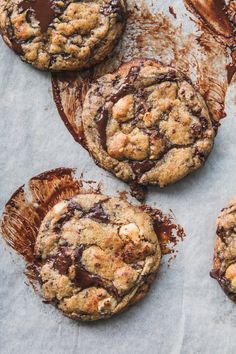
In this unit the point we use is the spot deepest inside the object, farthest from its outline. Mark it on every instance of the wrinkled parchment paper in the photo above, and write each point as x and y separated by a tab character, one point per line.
186	311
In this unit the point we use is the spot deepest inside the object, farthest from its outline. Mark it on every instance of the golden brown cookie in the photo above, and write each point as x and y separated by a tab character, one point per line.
97	255
224	265
62	35
147	123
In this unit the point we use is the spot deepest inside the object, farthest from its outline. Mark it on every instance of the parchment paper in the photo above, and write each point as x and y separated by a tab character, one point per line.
186	311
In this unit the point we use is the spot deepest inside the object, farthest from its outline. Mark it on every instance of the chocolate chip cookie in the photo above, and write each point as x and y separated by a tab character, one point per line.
224	265
97	255
62	35
147	123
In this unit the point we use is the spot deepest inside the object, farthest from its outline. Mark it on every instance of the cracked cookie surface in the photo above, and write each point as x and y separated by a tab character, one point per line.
224	266
62	35
98	255
147	123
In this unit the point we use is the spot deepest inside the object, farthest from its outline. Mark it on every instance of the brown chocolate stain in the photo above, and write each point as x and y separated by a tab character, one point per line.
214	14
168	232
27	207
231	70
68	92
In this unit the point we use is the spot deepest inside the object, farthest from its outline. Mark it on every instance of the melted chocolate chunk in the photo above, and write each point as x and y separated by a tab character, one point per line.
138	191
141	167
101	126
103	116
63	220
84	279
126	86
62	262
44	10
97	213
224	283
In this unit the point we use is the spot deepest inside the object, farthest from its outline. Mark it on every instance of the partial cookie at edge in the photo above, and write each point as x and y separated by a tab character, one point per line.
62	35
224	264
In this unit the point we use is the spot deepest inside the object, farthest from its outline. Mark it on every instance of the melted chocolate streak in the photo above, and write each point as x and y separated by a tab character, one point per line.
83	278
96	213
125	88
128	87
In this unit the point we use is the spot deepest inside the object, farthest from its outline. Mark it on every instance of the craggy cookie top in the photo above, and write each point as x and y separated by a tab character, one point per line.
62	35
98	255
146	122
224	268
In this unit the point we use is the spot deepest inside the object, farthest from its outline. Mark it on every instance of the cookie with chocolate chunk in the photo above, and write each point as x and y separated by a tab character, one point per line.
97	255
224	264
62	35
147	123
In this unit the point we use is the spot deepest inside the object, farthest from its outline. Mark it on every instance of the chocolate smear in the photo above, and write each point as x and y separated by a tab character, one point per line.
231	70
27	207
168	232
